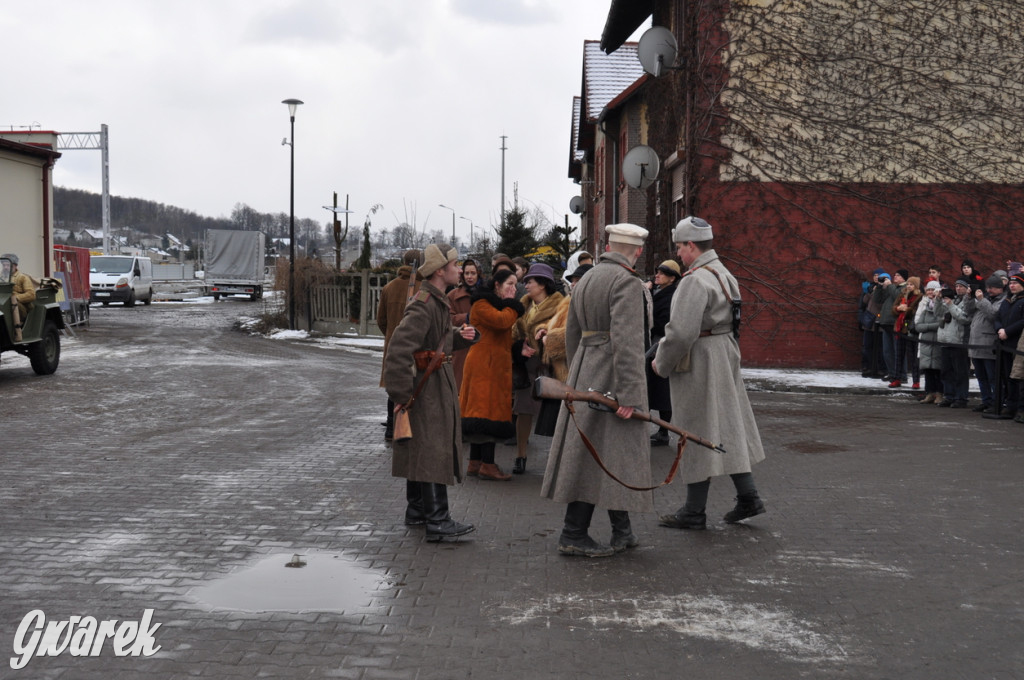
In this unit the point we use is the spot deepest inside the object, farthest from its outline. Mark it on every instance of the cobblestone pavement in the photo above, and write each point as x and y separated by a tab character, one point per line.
171	457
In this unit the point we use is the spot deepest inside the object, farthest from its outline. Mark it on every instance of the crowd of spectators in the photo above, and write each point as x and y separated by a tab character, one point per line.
946	333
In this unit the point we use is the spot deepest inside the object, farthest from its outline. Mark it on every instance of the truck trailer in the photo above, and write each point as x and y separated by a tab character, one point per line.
234	263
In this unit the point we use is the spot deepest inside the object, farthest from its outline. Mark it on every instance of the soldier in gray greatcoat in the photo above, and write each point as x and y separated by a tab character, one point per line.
433	457
700	354
604	342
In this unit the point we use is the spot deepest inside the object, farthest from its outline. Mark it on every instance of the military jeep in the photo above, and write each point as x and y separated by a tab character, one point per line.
40	332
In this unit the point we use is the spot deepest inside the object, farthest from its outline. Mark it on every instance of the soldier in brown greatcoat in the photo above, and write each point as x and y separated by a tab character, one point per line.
393	298
432	458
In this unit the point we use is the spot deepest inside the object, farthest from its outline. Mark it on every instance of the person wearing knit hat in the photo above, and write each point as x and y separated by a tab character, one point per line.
952	336
872	362
975	281
605	338
432	458
929	316
885	297
701	348
983	341
906	341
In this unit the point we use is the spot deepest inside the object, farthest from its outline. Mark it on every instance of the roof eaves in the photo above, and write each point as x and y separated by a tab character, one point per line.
624	17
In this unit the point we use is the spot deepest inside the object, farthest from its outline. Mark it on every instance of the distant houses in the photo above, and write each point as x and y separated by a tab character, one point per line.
166	248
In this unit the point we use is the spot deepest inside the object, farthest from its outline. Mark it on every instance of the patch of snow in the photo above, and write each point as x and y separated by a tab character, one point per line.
710	618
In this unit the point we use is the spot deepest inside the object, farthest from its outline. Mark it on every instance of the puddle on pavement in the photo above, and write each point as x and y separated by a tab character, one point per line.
294	583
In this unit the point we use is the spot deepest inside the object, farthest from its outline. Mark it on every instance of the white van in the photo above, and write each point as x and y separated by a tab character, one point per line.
120	278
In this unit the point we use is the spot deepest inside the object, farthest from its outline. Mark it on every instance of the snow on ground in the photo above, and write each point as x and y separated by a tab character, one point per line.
764	379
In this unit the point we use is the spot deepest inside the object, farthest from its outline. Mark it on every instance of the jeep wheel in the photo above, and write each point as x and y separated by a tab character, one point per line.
130	302
45	354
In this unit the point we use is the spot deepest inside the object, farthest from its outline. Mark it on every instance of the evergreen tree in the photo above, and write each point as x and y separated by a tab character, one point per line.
364	257
516	237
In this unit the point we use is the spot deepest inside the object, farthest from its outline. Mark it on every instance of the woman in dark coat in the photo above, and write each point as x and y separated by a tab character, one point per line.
659	394
1010	328
461	299
485	398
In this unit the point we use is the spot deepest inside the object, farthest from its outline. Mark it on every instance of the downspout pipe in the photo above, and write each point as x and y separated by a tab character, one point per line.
47	246
601	119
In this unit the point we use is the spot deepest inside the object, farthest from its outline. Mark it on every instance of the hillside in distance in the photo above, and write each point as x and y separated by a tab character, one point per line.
75	209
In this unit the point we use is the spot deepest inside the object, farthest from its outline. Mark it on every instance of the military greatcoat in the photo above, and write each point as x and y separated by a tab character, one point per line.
605	347
393	298
434	454
701	357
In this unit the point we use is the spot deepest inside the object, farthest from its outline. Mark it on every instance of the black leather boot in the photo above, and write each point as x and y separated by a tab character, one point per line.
440	525
574	539
623	537
414	510
747	505
685	519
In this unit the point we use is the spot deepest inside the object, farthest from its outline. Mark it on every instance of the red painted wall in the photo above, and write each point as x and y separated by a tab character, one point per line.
800	253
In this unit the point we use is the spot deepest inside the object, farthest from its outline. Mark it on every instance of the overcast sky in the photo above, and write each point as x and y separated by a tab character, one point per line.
405	100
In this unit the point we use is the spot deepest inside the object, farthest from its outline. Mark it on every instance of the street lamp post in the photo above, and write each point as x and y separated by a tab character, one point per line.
442	205
472	243
292	105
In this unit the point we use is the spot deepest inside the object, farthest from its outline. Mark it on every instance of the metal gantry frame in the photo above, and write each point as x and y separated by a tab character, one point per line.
91	141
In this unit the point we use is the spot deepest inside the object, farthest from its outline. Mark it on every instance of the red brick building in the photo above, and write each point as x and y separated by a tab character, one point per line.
818	148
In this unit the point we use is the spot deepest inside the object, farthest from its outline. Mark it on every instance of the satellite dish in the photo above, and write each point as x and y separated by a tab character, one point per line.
576	205
640	167
657	50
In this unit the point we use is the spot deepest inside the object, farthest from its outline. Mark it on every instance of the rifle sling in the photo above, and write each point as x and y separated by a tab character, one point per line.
434	363
597	458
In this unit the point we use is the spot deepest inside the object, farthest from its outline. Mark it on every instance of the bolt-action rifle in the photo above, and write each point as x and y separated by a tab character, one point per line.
549	388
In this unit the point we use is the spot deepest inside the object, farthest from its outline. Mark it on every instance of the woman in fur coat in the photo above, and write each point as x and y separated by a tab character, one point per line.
485	398
540	302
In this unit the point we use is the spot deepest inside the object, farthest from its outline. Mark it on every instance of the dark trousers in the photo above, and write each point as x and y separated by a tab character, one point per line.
889	350
872	365
697	492
906	357
1013	387
955	373
932	380
988	380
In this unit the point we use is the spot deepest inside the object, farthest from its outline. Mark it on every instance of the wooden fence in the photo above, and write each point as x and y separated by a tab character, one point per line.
352	298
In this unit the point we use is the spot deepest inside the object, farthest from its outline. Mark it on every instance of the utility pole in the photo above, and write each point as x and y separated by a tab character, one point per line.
94	141
502	212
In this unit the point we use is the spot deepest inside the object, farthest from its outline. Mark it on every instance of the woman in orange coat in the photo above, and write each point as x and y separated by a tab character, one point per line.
485	397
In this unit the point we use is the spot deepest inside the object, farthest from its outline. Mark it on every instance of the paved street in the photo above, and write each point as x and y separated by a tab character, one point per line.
174	463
